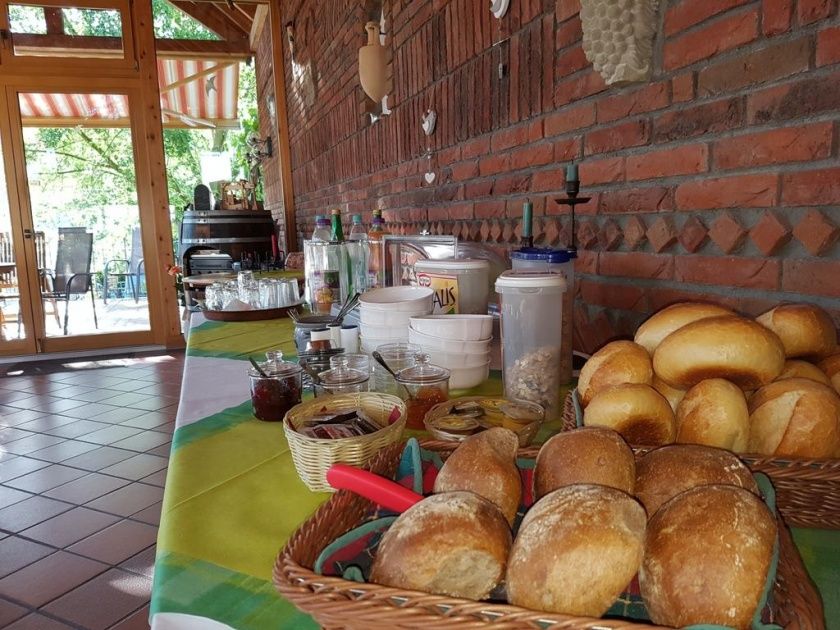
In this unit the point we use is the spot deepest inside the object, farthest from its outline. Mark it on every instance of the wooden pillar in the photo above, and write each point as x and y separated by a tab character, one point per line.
284	155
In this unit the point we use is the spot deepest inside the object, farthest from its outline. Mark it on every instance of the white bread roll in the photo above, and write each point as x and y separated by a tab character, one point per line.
737	349
714	412
616	363
485	463
665	472
802	369
454	544
638	412
795	417
805	329
661	324
707	555
585	455
671	394
831	366
577	549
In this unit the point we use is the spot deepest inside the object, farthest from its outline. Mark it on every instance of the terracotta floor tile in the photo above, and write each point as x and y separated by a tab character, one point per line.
99	458
142	442
163	450
148	420
46	478
118	415
10	496
70	527
16	553
117	542
125	501
128	386
10	434
156	403
93	394
137	467
64	451
34	442
127	399
135	621
104	600
29	512
89	410
157	479
111	434
168	428
76	428
52	404
18	417
36	621
9	612
150	515
49	578
87	488
143	563
9	396
17	466
46	424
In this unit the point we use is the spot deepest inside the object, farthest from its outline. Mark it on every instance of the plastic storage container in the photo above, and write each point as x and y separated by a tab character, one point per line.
562	261
277	392
532	337
422	386
341	379
460	284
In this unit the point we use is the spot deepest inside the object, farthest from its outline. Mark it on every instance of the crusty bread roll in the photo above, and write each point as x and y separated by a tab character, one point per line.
831	366
661	324
577	549
616	363
585	455
455	544
795	417
485	463
805	329
707	555
802	369
730	347
667	471
638	412
714	412
671	394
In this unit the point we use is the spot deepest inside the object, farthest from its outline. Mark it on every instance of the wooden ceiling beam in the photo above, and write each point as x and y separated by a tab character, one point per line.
212	18
192	47
240	18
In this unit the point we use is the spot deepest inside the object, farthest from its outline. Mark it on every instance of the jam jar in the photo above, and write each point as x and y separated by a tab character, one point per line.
278	391
422	386
341	379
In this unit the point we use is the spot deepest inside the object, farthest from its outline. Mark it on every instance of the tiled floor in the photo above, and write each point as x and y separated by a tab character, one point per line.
83	453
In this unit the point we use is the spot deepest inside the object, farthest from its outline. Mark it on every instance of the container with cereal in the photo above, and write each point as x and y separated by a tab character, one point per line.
532	337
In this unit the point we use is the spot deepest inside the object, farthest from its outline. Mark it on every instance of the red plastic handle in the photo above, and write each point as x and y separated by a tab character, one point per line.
387	493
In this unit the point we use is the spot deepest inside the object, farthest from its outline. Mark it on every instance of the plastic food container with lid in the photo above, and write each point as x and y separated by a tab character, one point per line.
422	386
278	391
532	333
341	379
460	284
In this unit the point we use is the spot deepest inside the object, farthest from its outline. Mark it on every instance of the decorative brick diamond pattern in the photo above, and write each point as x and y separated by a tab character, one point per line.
610	235
635	232
662	234
771	233
551	231
693	234
495	231
727	233
507	233
565	238
816	232
587	235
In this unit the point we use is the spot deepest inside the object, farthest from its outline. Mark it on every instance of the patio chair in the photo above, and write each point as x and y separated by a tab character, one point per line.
132	270
71	275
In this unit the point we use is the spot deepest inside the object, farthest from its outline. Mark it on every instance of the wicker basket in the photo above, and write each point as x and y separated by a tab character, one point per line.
313	456
807	490
526	433
338	603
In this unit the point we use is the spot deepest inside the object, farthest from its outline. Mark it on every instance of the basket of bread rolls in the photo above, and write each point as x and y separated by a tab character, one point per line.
765	388
580	533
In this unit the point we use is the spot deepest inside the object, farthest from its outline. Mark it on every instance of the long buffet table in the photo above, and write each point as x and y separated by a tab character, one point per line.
233	498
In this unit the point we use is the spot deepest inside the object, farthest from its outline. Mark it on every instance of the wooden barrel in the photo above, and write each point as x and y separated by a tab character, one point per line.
234	232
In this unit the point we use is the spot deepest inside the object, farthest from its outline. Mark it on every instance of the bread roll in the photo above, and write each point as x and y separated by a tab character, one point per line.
803	369
737	349
671	394
661	324
585	455
577	549
831	366
638	412
707	555
454	544
666	472
795	417
714	412
485	463
805	329
616	363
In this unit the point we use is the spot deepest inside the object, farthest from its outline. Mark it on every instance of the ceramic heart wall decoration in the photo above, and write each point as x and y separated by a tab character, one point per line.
430	177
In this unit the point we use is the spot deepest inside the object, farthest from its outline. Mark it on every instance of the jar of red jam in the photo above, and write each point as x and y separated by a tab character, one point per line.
422	386
278	390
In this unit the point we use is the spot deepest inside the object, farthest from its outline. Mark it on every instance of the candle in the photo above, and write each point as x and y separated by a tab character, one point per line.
527	218
572	172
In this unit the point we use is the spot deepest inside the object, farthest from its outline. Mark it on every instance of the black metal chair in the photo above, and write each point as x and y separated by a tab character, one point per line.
72	275
132	270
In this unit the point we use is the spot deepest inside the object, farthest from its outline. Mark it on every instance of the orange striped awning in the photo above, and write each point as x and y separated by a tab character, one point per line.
196	93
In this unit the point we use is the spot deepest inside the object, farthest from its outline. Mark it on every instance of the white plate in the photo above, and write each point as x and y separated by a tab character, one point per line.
449	345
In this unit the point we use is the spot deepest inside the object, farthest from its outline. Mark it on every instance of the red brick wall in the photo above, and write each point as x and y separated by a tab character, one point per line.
719	179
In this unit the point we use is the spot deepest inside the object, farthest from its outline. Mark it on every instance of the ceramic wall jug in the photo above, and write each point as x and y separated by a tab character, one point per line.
372	65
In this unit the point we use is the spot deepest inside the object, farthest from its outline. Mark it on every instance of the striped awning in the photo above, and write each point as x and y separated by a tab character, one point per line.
194	93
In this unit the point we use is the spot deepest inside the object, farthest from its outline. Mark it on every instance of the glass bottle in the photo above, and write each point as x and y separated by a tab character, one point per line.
322	229
359	253
376	251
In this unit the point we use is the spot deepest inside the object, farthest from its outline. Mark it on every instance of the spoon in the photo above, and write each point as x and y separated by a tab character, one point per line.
312	373
293	313
257	367
378	358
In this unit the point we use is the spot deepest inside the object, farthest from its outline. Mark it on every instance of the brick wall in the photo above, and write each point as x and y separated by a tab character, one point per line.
719	179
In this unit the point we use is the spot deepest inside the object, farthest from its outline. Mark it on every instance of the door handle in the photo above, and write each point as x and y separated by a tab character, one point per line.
28	233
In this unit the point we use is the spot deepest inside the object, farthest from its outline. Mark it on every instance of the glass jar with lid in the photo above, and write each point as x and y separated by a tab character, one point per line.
341	379
422	386
277	389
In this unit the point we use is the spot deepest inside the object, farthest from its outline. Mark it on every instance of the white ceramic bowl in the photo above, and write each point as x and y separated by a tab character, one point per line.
448	345
405	299
451	360
373	317
369	344
464	378
383	332
457	327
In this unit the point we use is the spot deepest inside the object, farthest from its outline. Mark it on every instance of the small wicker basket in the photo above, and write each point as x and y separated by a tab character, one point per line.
526	433
313	456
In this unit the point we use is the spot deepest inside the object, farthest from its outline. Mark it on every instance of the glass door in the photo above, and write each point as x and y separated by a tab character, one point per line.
76	159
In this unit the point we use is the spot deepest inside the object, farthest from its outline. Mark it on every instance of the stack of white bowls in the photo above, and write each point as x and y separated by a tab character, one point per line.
460	343
385	313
